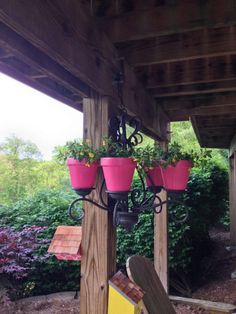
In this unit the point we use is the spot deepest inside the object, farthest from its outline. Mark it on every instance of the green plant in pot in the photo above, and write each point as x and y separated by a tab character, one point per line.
149	160
82	161
118	166
176	168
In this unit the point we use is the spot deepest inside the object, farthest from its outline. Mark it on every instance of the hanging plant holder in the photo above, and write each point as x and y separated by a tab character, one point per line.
124	203
175	177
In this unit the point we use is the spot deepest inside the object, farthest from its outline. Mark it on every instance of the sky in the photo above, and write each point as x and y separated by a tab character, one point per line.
36	117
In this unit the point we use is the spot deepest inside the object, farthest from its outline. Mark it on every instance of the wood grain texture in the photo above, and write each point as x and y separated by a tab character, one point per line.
186	72
142	272
232	148
98	243
211	104
161	239
144	19
74	53
180	46
232	199
212	307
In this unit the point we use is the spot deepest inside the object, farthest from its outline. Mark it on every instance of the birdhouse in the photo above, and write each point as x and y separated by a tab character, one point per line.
66	243
124	295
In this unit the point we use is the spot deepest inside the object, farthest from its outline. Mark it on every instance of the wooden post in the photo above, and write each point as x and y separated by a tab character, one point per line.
98	240
161	238
232	199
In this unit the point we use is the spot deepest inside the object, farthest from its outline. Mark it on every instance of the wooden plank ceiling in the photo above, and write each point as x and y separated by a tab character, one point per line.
184	53
56	47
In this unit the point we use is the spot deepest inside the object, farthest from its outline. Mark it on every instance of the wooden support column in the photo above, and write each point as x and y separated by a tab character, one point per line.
232	199
161	238
98	241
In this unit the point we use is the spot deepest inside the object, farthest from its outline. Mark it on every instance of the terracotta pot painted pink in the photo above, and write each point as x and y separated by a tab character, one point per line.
81	176
118	173
154	177
175	178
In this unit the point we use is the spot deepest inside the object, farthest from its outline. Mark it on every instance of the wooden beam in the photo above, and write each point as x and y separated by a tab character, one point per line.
232	147
161	239
214	136
55	92
186	72
232	199
99	241
212	307
181	108
86	53
181	46
194	89
161	18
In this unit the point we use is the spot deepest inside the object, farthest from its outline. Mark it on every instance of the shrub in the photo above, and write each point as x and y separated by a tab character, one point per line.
206	201
47	208
18	253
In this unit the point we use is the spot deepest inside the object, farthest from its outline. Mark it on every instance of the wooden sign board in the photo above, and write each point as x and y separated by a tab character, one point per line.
66	243
141	270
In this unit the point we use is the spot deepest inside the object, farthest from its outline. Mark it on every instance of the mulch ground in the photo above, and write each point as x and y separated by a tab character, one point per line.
218	287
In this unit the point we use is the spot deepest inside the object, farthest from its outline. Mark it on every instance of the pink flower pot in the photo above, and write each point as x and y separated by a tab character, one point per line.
176	177
82	176
118	173
154	177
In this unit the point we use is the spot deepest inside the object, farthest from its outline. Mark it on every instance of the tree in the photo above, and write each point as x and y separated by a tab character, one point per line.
18	168
18	149
182	133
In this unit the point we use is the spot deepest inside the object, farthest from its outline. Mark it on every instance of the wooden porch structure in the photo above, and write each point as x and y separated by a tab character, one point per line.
179	64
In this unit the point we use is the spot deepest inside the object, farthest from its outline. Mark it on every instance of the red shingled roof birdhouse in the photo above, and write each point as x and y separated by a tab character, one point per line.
66	243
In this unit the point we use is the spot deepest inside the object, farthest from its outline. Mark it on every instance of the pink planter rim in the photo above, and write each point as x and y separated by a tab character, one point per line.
119	161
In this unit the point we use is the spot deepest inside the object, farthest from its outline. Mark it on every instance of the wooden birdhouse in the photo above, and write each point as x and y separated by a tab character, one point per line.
124	295
66	243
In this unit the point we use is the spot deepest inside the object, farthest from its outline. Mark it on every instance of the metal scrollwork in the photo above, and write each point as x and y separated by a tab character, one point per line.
126	206
118	125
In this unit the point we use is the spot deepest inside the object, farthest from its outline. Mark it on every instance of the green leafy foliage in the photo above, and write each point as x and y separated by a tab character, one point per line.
206	202
47	208
77	149
22	172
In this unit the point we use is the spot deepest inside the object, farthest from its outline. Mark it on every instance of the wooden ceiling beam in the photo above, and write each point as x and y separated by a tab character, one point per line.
182	108
178	103
194	89
201	70
181	46
163	17
212	131
185	114
63	32
59	94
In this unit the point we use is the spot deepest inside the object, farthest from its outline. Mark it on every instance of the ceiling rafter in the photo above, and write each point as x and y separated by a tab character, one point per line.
190	45
75	53
141	20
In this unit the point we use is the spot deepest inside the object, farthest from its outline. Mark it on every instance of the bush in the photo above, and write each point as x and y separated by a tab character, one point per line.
18	254
206	201
47	208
